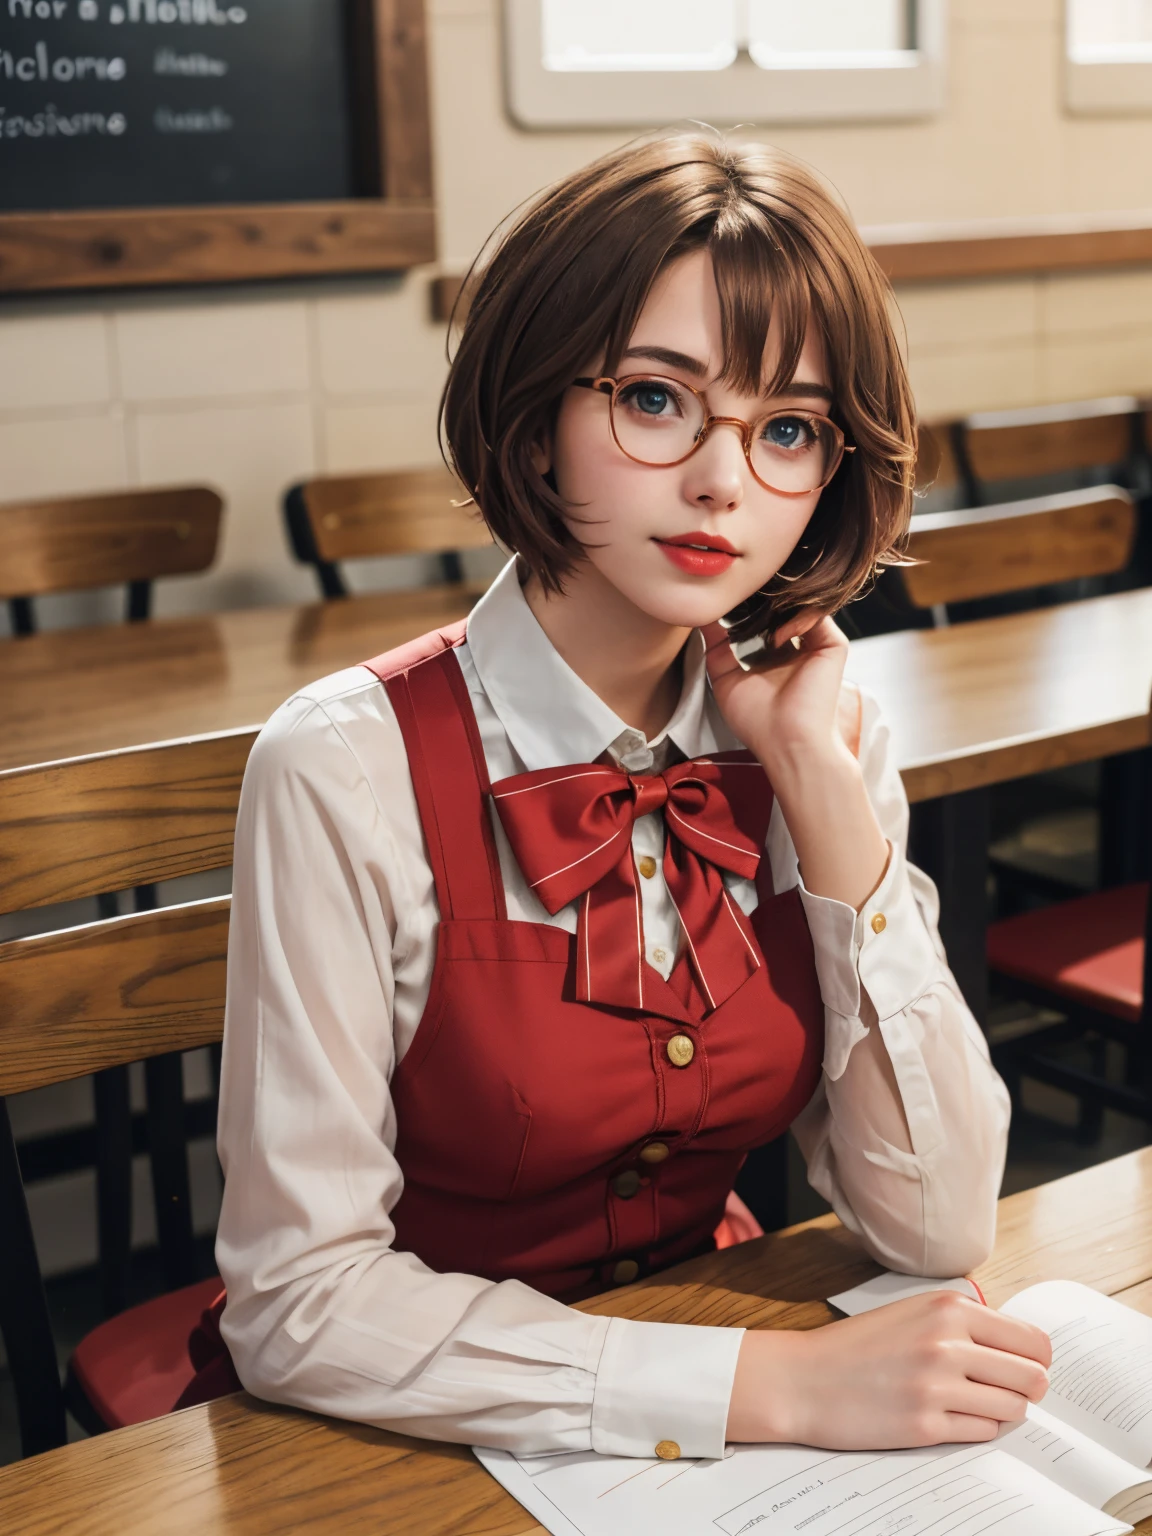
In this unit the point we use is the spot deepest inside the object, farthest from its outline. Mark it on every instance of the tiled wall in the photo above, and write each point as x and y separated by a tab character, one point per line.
250	388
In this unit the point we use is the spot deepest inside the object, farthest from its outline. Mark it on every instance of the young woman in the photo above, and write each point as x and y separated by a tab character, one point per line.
540	927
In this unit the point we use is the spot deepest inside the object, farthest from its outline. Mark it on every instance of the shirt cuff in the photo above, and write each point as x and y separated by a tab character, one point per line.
884	949
664	1382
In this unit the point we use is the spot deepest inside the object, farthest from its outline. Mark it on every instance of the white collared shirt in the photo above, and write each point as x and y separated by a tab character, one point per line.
330	958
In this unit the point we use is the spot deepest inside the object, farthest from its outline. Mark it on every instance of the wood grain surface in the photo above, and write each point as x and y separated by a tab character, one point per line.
76	542
979	703
946	252
973	704
92	824
1048	447
72	693
239	1467
983	551
404	512
117	991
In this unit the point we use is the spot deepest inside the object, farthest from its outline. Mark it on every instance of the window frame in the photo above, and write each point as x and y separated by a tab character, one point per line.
539	98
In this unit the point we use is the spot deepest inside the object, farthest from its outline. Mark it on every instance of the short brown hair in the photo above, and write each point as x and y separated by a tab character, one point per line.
567	281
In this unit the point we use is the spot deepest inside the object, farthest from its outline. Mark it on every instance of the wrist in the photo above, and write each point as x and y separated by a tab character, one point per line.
765	1402
791	762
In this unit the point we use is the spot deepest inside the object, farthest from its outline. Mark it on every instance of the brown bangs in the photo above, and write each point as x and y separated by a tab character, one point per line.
566	284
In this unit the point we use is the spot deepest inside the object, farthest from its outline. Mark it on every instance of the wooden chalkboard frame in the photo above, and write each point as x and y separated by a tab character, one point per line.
143	247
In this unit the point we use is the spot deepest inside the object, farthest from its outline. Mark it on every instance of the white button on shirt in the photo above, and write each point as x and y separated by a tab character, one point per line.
330	959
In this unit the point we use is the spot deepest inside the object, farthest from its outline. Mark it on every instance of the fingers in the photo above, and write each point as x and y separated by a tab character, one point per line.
967	1427
970	1397
1015	1373
997	1331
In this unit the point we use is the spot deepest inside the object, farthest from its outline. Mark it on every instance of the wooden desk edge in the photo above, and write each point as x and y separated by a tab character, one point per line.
227	1460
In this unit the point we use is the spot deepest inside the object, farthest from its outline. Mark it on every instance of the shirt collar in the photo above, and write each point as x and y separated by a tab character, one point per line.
551	716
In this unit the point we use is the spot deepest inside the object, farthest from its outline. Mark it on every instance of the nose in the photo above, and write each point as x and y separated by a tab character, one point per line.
715	474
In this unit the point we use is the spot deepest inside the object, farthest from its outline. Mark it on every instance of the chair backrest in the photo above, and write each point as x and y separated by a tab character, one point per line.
1045	440
986	551
935	460
108	993
77	542
412	511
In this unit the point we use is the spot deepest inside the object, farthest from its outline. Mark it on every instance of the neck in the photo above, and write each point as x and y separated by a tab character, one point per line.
629	659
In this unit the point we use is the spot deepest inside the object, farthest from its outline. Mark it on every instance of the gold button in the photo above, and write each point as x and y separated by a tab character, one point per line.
680	1050
654	1152
625	1272
627	1183
668	1450
331	520
647	866
879	923
659	955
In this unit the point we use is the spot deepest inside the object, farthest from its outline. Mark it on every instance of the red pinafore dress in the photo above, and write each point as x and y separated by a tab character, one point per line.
545	1139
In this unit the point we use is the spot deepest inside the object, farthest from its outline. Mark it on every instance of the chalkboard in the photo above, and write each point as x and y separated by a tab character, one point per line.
164	103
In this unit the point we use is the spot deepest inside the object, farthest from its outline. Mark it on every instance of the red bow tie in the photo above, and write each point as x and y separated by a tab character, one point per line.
571	831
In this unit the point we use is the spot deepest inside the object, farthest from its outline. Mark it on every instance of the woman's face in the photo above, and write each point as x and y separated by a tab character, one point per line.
625	513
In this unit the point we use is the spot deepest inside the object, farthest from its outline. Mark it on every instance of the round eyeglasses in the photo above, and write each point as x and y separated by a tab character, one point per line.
661	422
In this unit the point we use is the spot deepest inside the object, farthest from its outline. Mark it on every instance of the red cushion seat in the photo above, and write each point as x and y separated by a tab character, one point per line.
1090	950
136	1365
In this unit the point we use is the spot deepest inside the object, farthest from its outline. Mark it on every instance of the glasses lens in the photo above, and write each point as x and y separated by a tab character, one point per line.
794	452
656	420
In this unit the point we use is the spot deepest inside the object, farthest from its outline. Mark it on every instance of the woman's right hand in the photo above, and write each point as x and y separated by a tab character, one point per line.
923	1371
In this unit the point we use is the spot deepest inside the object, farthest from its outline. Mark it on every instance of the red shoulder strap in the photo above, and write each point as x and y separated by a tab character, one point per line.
449	774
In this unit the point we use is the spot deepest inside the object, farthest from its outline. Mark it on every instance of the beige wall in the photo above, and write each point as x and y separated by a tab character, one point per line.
251	388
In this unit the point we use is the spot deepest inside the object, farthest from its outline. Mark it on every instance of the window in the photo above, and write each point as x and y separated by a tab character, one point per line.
638	63
1108	67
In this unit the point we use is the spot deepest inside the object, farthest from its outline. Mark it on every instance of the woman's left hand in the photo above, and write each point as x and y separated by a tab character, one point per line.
788	705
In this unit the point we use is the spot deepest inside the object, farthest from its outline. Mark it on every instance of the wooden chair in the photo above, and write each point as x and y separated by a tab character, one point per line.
74	544
91	1000
416	511
126	537
995	446
1089	958
987	551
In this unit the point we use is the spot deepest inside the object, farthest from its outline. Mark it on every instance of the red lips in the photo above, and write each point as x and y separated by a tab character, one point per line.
700	554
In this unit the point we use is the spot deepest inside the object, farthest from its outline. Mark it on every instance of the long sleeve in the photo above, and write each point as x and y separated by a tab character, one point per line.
910	1158
333	915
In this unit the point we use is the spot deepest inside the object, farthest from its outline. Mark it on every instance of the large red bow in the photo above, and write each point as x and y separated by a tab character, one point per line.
571	831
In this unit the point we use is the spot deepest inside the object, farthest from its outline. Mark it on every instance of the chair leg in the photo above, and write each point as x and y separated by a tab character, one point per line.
113	1186
24	1319
168	1153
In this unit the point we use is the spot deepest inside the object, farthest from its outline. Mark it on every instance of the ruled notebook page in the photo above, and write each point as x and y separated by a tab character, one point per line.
1101	1376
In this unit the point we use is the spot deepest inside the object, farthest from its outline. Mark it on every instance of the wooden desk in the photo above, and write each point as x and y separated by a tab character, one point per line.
70	693
243	1468
967	706
995	699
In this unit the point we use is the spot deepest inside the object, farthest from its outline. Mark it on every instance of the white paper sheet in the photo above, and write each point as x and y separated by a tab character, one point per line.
785	1490
890	1286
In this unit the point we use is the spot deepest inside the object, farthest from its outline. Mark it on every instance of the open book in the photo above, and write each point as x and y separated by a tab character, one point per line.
1077	1466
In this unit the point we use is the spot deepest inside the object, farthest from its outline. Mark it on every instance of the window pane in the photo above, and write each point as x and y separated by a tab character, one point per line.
823	27
639	34
1107	31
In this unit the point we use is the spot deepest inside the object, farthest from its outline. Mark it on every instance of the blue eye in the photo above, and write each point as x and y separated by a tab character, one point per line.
650	399
787	432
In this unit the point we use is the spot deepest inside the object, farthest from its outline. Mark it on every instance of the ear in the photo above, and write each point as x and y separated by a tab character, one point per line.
541	455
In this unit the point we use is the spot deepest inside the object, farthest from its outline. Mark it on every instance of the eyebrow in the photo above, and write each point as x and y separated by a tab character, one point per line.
699	370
